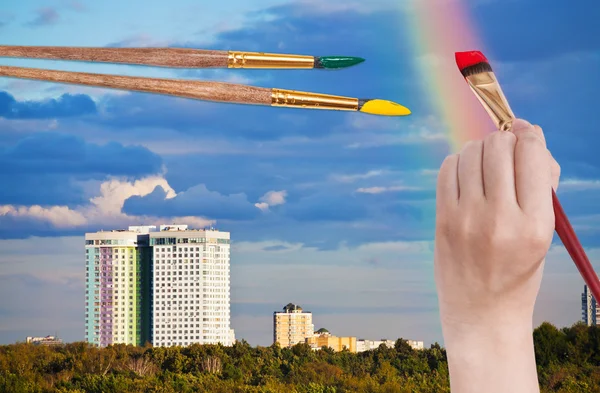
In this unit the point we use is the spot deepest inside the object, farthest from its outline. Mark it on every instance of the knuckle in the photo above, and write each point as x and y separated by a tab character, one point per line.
469	233
538	235
470	227
494	233
497	236
448	167
449	161
501	138
470	146
556	167
529	138
535	130
539	131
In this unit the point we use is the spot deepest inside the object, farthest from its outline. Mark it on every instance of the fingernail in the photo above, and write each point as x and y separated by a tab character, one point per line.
520	124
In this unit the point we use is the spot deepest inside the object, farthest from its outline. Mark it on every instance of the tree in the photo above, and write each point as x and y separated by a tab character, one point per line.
550	345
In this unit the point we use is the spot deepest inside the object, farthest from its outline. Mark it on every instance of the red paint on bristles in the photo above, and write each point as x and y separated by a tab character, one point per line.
468	59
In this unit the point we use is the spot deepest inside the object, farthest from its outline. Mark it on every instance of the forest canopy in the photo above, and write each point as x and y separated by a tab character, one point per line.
568	361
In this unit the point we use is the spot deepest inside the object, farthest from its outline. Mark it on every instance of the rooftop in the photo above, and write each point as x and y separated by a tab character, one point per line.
145	229
292	308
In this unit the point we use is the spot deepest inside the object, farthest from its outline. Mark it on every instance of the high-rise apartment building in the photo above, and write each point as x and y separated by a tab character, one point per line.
590	310
292	325
169	286
117	290
190	286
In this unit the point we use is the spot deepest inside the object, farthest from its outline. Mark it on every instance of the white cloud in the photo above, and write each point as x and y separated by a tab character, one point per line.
358	176
274	198
428	130
429	172
355	177
268	252
114	193
329	7
59	216
239	79
397	246
585	223
380	190
568	185
271	198
262	206
105	208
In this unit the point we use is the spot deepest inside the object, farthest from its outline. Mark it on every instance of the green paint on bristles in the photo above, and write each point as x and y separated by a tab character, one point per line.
336	62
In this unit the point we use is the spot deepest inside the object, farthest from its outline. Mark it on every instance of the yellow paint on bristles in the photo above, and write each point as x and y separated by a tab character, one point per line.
384	108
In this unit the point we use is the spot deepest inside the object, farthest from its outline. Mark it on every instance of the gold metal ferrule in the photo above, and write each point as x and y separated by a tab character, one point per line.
488	91
301	99
268	60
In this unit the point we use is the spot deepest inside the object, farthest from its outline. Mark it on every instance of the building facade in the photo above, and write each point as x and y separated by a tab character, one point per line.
191	287
169	286
48	340
369	345
590	310
292	326
416	344
117	290
325	339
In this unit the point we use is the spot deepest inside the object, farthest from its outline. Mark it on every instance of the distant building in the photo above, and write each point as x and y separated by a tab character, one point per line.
368	345
323	338
48	340
590	310
416	344
292	325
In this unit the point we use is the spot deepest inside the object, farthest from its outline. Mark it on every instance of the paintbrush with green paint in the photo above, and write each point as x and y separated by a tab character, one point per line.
180	57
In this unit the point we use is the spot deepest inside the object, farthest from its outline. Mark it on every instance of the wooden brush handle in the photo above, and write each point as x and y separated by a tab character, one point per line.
160	57
201	90
567	235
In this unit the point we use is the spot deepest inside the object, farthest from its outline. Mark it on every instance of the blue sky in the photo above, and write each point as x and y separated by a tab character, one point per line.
333	211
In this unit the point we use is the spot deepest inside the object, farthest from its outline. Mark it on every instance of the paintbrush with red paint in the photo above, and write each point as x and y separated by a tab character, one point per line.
481	79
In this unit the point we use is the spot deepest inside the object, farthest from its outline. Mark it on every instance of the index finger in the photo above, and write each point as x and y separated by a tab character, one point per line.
533	174
521	126
447	182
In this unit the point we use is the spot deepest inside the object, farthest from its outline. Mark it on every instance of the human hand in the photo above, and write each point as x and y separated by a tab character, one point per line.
495	223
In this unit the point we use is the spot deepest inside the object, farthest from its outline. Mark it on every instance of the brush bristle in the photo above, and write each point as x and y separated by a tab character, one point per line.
476	69
470	58
336	62
382	107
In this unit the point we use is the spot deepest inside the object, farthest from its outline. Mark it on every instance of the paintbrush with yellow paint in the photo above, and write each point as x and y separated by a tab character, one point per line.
213	91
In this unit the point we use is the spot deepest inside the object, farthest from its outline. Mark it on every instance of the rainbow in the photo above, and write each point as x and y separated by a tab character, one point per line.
438	29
